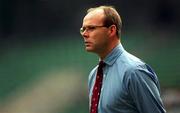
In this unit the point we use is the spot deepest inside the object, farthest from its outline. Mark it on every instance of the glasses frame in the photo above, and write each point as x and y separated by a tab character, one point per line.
90	28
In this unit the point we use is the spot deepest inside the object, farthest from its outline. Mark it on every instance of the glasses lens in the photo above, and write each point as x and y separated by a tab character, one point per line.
89	28
81	30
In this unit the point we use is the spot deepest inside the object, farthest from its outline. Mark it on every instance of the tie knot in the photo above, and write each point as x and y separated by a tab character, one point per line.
102	64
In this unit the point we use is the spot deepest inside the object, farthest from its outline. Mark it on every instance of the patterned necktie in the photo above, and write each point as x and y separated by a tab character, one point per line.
97	88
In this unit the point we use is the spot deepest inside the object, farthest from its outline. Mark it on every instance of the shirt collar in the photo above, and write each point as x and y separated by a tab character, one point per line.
114	54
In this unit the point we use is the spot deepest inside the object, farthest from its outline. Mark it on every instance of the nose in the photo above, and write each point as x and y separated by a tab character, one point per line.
84	34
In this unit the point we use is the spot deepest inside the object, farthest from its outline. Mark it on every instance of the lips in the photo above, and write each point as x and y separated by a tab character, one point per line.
87	43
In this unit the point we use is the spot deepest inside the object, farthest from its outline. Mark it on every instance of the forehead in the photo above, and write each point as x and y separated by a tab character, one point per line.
94	17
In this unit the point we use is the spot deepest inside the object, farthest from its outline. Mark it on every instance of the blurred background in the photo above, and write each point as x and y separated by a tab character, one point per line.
44	67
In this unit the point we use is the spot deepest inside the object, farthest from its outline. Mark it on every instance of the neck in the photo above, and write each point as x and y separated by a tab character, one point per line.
108	50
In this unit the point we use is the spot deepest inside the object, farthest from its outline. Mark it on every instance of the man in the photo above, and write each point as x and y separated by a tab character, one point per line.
121	83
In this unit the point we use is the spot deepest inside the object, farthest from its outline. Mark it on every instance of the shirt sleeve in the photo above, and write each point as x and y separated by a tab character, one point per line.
143	87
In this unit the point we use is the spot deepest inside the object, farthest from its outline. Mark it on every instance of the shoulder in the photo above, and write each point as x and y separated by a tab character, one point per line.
134	68
141	74
130	60
127	62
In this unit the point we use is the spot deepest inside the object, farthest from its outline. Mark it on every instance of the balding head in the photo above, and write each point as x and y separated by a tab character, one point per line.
111	16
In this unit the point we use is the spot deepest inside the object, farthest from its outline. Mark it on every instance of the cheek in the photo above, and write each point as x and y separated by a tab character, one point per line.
102	38
99	39
101	43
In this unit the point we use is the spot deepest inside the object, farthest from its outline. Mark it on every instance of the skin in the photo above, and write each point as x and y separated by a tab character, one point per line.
102	39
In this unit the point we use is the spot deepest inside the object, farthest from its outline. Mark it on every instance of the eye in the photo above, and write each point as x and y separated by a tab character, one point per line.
91	27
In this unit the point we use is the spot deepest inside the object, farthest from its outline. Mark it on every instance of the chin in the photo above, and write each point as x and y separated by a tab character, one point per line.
89	49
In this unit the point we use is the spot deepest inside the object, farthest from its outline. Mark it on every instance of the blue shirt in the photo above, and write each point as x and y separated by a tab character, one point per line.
129	85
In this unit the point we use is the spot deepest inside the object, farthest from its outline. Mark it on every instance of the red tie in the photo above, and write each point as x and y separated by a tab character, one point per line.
97	88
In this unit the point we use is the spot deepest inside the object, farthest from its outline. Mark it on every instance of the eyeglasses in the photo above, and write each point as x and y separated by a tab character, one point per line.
89	28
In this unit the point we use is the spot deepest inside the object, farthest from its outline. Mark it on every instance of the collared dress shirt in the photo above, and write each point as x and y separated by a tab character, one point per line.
129	85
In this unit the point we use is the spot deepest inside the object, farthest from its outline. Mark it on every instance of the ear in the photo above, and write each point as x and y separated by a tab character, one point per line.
112	30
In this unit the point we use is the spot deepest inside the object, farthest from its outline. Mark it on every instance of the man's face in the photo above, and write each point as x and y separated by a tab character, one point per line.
94	33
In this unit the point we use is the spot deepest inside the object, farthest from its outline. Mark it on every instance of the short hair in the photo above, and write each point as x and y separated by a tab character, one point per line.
112	17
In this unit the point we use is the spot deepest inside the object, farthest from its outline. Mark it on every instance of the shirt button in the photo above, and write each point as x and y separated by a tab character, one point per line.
95	104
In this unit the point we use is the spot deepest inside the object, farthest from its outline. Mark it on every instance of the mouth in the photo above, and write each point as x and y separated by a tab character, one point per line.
87	43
